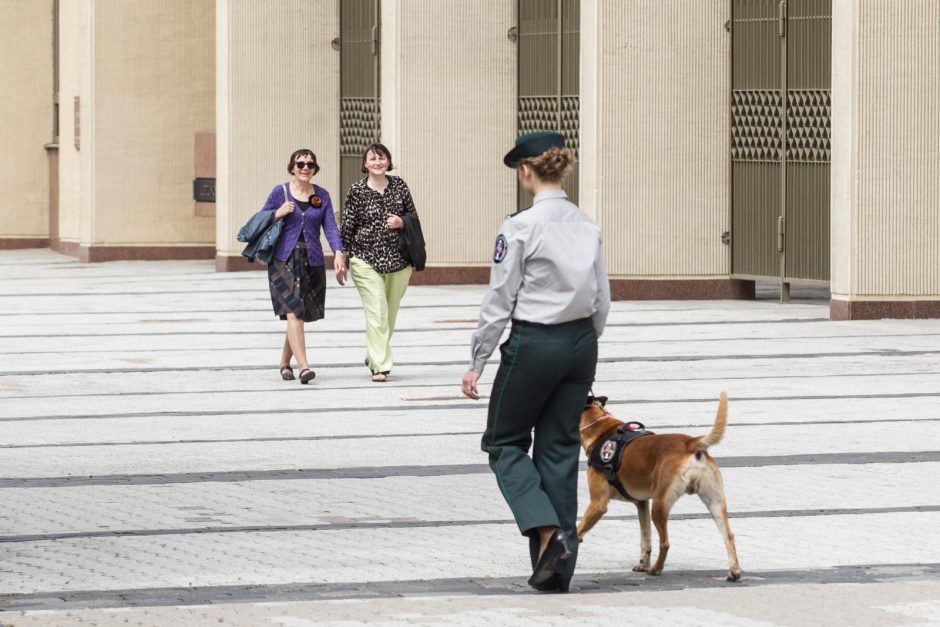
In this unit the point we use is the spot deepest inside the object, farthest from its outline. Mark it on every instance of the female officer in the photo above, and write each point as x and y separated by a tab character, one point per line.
548	276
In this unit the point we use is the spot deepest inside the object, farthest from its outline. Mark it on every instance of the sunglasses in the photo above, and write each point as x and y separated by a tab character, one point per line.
305	165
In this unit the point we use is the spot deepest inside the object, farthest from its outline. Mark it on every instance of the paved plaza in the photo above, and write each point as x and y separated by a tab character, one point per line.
155	469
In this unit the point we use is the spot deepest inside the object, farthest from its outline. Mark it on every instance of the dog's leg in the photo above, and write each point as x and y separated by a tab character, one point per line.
600	496
661	509
646	544
711	491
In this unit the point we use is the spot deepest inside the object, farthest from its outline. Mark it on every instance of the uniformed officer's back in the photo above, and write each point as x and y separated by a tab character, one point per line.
548	276
555	246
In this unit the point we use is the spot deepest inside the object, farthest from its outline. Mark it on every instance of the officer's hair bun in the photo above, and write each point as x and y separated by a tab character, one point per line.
552	165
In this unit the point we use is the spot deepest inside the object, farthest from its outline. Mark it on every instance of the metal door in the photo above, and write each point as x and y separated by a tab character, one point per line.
548	75
780	129
359	86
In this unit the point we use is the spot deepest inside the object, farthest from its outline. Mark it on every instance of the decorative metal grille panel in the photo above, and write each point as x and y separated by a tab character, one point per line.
571	122
540	113
809	125
756	129
359	125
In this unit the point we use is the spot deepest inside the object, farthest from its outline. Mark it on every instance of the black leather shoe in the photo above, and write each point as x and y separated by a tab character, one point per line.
555	583
557	550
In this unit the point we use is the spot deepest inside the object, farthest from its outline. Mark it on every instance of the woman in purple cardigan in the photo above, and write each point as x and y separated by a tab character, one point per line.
296	275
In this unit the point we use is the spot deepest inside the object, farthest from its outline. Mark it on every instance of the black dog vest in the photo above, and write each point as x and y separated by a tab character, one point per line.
607	454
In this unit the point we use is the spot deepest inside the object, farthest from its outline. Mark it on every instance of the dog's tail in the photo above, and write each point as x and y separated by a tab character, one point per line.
702	442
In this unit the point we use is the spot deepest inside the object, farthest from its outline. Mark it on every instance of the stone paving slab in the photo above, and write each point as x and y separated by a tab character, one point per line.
351	555
129	509
831	596
420	451
168	368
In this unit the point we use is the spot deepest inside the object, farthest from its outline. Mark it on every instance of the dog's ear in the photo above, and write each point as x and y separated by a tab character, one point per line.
595	400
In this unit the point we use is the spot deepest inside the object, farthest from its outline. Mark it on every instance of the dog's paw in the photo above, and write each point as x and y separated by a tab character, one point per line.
733	576
641	568
656	573
580	538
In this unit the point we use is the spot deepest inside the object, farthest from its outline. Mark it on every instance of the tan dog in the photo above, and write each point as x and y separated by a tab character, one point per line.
659	468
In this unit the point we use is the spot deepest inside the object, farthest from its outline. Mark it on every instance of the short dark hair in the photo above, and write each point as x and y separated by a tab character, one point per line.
303	152
378	149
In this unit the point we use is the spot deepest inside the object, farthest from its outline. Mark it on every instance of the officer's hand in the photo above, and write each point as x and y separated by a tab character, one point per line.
283	210
469	387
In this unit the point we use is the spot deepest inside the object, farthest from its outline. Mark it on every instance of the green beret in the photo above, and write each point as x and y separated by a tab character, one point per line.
532	145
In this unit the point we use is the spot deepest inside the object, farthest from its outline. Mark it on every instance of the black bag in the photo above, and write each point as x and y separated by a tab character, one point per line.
411	241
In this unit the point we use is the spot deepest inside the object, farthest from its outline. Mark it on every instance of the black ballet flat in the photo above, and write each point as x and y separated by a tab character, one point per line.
307	375
287	373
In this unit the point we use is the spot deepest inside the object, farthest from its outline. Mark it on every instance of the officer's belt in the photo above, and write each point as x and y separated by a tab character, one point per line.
606	455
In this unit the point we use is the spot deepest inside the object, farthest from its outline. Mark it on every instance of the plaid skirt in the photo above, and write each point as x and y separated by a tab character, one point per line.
296	287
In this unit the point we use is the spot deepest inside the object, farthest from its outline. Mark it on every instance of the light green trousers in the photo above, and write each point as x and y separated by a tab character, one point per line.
380	295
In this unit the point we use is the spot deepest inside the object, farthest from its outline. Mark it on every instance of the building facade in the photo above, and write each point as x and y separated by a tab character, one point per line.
719	142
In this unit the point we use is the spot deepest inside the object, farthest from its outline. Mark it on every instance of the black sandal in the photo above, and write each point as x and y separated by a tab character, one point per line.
307	375
289	375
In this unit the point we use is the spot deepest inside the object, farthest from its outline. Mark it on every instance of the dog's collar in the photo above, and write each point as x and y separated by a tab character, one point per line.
605	415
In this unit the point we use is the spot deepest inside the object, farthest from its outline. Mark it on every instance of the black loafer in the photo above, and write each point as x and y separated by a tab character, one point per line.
557	550
555	583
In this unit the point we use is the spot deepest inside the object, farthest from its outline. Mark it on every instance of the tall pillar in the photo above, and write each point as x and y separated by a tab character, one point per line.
27	121
135	87
448	93
277	90
655	145
885	248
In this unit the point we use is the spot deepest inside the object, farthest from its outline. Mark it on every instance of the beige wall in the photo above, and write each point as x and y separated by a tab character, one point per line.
277	90
886	150
655	129
151	78
448	116
26	113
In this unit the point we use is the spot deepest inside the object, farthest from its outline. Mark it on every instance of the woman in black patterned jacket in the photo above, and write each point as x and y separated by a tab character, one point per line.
372	217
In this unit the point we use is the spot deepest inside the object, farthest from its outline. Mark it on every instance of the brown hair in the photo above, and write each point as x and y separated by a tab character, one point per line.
380	150
303	152
552	165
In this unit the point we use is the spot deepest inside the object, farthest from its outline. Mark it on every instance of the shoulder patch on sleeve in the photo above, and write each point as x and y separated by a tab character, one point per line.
501	248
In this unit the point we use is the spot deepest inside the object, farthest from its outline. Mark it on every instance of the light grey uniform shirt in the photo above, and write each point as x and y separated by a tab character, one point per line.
548	267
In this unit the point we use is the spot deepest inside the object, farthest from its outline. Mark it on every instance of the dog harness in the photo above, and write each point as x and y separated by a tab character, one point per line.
607	454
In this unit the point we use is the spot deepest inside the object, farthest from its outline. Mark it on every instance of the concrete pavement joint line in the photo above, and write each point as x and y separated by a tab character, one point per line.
317	438
251	292
438	407
463	328
463	362
381	472
392	384
411	524
427	330
191	351
268	311
483	586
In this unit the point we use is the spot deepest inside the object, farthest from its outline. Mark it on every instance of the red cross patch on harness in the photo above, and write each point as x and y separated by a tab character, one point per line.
608	449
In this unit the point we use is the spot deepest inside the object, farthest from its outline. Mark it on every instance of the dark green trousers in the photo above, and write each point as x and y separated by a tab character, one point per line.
543	380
